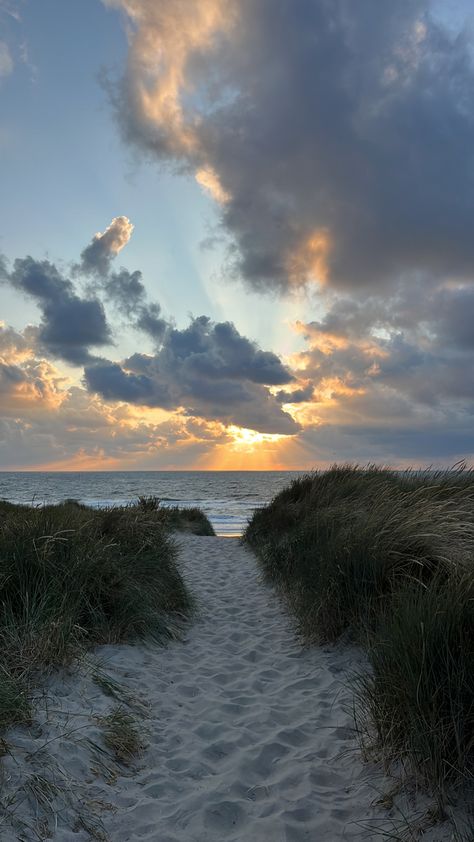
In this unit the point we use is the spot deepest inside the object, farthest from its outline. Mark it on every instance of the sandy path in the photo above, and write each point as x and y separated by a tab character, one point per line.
249	727
249	739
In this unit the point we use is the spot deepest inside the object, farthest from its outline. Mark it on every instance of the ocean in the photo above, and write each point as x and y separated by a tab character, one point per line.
227	497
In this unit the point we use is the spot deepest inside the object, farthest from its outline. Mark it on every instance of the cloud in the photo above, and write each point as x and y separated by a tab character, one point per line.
150	321
10	377
127	292
113	382
209	181
209	369
70	325
385	370
47	422
26	382
104	247
124	289
430	443
302	395
453	317
337	137
398	415
163	39
84	433
14	346
377	370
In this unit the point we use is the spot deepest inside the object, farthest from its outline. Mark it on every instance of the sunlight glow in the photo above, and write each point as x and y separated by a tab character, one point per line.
309	262
249	450
244	439
208	179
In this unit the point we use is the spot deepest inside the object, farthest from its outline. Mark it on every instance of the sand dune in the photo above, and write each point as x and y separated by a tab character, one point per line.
249	735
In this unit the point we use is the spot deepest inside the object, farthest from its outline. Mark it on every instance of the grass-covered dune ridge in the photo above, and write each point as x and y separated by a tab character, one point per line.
388	558
72	577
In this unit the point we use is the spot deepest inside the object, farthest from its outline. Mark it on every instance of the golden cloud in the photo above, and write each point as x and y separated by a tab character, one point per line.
163	37
208	179
309	261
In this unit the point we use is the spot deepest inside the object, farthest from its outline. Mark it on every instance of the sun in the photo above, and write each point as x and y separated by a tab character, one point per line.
245	439
244	449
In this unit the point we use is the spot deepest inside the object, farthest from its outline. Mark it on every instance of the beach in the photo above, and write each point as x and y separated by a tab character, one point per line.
247	734
237	421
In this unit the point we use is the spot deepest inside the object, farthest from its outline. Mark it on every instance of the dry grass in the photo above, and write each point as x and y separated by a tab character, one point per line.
121	735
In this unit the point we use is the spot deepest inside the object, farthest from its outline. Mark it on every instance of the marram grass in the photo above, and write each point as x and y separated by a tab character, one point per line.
388	559
72	577
420	692
122	735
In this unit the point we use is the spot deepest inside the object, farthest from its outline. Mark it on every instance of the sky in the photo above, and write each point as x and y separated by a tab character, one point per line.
236	234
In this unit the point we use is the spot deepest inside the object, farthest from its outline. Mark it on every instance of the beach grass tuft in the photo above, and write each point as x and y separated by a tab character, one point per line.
71	578
419	694
14	705
121	735
387	559
186	519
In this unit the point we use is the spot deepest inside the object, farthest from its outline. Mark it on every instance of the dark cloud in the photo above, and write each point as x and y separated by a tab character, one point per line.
338	141
215	350
150	321
70	325
443	312
296	396
113	382
337	132
432	443
125	289
209	369
396	365
127	292
453	318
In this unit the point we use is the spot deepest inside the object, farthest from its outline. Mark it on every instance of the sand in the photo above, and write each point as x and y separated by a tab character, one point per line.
249	735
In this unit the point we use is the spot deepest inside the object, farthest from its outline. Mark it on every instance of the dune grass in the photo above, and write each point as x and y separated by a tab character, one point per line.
72	578
121	734
387	559
187	520
420	692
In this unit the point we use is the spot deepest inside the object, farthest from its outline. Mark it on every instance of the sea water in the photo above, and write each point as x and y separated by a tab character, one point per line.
227	497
